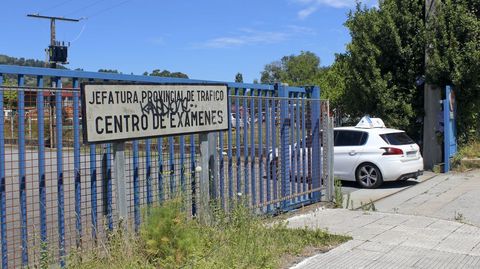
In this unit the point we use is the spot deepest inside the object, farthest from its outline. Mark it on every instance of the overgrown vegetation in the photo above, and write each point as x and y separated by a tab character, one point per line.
170	239
466	156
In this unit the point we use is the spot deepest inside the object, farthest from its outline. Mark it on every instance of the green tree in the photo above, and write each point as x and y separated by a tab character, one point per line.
239	77
383	61
166	73
114	71
454	59
296	70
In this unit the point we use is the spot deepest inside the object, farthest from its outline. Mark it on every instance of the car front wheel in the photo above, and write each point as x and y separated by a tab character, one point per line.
368	176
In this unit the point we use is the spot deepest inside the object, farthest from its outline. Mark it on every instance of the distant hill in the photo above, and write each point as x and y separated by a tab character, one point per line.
5	59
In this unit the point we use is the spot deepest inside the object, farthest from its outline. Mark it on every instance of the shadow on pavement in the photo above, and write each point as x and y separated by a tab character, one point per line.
385	185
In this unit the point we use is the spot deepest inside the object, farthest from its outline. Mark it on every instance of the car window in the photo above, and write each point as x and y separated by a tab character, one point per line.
397	138
349	138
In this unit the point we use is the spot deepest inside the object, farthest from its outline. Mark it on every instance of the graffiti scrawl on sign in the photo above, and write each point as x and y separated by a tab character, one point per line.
123	112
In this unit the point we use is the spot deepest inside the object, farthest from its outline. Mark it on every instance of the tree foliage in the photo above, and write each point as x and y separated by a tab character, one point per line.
383	61
166	73
295	70
239	78
454	59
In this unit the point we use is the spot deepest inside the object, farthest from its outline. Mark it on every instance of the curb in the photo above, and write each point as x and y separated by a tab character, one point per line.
393	193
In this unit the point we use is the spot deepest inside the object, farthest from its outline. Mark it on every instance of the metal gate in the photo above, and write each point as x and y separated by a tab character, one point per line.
57	193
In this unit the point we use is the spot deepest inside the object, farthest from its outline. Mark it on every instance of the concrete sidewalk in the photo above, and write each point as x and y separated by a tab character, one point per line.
452	196
359	197
388	240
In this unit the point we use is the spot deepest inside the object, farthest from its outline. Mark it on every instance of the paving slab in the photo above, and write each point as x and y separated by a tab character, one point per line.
391	240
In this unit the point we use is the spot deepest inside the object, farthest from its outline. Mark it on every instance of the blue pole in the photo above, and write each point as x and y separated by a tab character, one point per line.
3	211
274	150
148	171
316	155
41	165
229	152
245	146
194	184
136	186
171	165
252	147
222	171
160	169
304	152
21	169
182	164
93	190
260	145
446	129
271	153
293	165
60	194
76	161
237	141
297	172
284	145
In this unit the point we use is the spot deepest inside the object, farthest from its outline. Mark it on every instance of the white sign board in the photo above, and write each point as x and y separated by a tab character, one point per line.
123	112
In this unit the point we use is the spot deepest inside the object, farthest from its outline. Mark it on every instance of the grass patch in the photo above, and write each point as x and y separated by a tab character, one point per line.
468	151
169	239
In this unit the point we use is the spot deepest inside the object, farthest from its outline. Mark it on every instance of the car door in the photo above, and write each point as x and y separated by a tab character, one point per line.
348	145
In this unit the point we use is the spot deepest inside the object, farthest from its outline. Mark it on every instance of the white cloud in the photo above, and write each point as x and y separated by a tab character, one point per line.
247	36
311	6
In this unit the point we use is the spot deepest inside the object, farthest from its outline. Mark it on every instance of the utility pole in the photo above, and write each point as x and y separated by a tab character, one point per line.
432	150
54	45
57	53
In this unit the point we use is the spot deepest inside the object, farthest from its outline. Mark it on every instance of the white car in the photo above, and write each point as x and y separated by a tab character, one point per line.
371	154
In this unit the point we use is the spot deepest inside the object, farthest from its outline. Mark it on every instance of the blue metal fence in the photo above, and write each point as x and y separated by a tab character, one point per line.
270	154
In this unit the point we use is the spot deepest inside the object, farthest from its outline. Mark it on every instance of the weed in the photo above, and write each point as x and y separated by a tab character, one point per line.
459	217
338	193
370	206
168	238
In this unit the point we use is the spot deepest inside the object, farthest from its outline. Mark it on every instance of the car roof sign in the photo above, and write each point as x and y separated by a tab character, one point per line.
367	122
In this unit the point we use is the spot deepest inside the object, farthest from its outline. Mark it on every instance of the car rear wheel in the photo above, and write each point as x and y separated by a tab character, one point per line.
369	176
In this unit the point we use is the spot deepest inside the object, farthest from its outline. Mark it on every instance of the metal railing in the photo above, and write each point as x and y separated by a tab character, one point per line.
57	193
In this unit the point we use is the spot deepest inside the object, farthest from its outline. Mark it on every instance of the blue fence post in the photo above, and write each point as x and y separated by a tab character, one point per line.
171	165
304	151
245	114
284	144
237	142
194	182
76	161
297	172
291	143
21	169
41	164
252	147
274	165
108	168
446	130
3	209
270	153
229	152
148	172
93	190
221	170
160	170
136	186
182	164
60	193
260	145
316	154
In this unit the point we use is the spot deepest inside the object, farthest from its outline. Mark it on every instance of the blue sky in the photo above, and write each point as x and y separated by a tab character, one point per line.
210	39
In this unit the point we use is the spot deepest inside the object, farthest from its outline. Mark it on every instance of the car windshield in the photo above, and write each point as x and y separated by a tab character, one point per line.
397	138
